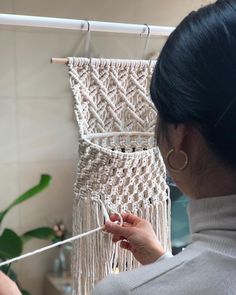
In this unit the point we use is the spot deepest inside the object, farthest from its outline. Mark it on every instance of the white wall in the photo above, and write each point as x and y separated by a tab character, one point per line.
37	125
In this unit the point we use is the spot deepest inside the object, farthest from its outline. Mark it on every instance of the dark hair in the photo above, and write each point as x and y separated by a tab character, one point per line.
194	81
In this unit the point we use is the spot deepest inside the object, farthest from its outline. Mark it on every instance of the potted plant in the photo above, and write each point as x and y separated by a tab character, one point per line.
11	243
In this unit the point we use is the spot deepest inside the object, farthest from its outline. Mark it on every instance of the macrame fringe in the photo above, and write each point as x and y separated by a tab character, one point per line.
96	256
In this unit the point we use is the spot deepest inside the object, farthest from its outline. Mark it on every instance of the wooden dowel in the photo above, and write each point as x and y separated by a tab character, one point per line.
64	61
57	60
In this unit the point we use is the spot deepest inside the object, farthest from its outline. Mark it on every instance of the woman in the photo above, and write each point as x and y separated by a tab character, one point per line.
194	90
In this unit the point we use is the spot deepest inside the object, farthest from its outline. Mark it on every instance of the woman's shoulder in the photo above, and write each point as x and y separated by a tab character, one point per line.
198	272
112	284
124	282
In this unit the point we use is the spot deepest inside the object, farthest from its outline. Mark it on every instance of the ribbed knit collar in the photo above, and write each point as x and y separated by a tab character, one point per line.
217	213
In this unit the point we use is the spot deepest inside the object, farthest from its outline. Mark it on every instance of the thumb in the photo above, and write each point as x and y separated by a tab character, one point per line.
117	229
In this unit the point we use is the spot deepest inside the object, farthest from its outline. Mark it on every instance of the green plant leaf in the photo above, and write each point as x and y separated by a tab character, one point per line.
56	239
11	244
25	292
44	182
6	269
45	233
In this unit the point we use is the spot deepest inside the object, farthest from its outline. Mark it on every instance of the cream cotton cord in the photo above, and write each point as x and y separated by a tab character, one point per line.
69	240
51	246
118	162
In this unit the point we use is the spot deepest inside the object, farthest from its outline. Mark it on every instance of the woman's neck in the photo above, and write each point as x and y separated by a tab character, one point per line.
214	181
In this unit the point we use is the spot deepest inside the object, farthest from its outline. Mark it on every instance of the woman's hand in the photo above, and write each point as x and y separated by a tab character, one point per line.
7	286
137	236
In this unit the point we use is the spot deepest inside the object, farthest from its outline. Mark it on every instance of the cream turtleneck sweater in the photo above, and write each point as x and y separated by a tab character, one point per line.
207	266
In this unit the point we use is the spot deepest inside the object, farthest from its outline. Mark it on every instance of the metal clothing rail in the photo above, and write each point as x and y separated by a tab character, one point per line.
84	25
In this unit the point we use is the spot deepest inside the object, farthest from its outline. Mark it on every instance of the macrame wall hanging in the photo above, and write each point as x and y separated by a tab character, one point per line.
119	163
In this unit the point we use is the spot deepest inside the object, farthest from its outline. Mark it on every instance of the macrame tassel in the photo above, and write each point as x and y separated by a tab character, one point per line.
92	255
102	257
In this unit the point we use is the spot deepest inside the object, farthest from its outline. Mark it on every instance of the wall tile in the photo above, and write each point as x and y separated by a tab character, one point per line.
155	45
36	76
32	271
55	202
52	205
156	12
7	62
47	130
84	9
120	46
9	191
165	13
8	135
6	6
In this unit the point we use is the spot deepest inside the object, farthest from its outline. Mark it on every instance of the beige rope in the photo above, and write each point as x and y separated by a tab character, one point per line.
119	163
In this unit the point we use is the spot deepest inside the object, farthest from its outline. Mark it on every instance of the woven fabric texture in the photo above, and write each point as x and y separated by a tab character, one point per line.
119	162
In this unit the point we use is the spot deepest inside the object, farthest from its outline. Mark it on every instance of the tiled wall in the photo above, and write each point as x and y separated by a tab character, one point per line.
37	125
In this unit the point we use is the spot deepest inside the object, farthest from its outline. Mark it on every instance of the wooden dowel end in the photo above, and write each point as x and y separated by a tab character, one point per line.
57	60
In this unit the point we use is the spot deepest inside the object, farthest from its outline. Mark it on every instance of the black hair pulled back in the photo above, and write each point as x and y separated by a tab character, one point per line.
194	81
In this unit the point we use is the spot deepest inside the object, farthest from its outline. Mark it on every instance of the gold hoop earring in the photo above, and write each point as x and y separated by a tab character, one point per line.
177	169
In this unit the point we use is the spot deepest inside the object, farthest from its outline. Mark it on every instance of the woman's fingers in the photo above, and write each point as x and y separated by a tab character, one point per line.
114	217
125	245
8	287
118	230
130	218
127	217
117	238
121	232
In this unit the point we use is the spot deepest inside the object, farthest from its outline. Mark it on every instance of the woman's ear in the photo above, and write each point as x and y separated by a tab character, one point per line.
177	135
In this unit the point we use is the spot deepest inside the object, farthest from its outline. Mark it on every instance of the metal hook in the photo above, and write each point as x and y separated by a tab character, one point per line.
149	30
147	27
84	44
89	27
88	39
